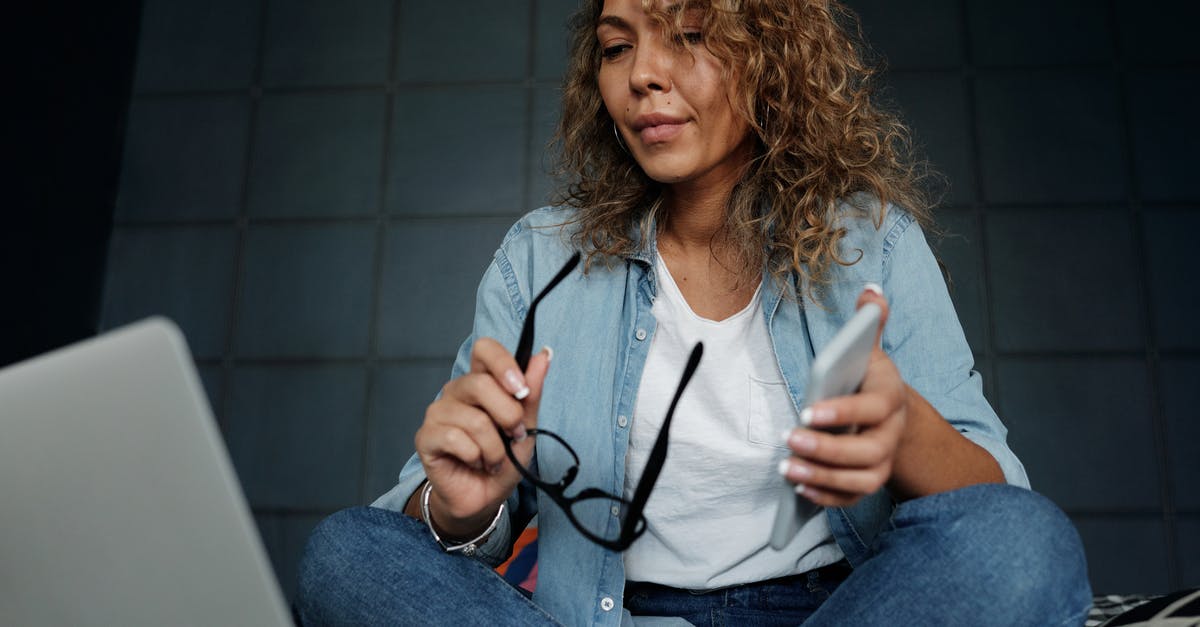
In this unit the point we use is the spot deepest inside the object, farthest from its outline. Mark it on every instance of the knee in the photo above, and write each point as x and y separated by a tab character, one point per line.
1023	545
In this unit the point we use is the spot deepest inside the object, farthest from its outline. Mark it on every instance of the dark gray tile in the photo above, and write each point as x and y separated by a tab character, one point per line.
470	40
1172	267
1125	555
1180	397
1050	136
935	107
961	250
431	272
306	291
197	44
318	155
1082	427
185	274
326	42
542	154
400	396
1166	138
184	158
1163	34
295	434
921	34
1063	279
1036	32
553	39
1187	549
285	536
458	150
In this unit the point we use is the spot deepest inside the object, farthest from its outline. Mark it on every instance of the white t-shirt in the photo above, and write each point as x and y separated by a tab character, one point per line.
709	517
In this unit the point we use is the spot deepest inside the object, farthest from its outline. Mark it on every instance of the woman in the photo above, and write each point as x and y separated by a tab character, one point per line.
733	184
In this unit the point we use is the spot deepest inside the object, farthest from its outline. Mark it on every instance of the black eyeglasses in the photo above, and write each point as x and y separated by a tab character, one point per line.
630	512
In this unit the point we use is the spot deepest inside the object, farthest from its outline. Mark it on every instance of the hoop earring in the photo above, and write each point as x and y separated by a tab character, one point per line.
617	134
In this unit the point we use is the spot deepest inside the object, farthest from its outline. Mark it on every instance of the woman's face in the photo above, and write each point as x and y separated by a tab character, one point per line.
669	103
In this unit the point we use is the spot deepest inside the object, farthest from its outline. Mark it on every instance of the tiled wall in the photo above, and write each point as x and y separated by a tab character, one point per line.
311	190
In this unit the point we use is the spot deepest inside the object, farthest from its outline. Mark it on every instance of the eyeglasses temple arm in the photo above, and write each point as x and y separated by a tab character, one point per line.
525	344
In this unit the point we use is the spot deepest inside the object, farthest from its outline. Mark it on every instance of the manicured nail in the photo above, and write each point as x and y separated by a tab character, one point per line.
519	433
784	465
787	434
516	384
803	442
806	416
818	416
799	488
874	287
549	353
800	471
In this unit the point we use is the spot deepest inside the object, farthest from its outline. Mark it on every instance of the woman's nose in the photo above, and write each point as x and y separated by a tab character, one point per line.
651	69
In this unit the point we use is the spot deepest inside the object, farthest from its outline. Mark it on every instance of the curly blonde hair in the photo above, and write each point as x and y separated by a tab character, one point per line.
804	86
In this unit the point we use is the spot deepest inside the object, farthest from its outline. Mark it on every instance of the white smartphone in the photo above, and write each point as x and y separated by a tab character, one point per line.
837	371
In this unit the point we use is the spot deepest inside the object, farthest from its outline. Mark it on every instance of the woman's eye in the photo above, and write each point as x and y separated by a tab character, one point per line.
694	37
612	52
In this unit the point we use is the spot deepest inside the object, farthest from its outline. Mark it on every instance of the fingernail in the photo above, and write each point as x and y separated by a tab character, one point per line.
874	287
549	353
801	471
519	433
806	417
787	434
803	442
516	384
820	415
784	465
799	488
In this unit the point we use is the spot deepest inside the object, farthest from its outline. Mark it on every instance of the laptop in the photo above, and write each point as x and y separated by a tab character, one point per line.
118	502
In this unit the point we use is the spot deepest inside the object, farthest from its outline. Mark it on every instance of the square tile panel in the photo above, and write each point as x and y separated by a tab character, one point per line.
1063	279
285	536
197	44
1125	555
1187	548
325	42
400	396
306	291
184	158
468	40
552	43
961	250
183	273
458	150
295	434
1166	137
431	272
1165	34
1083	429
542	155
1180	399
1172	267
935	107
923	34
1050	136
318	154
1035	32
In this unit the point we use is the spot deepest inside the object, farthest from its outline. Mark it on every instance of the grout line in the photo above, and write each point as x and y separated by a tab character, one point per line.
530	91
239	255
381	230
1157	414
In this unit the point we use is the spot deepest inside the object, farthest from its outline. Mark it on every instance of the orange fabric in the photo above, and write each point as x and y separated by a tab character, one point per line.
527	536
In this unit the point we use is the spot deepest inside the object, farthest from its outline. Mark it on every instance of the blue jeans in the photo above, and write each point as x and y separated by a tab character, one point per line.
983	555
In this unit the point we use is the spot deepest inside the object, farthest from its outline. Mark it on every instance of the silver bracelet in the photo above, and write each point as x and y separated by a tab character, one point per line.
467	548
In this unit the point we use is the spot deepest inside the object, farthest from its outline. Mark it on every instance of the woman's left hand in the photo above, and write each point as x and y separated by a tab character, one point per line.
836	470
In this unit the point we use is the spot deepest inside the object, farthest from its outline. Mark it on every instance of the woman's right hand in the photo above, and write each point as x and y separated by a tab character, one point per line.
459	445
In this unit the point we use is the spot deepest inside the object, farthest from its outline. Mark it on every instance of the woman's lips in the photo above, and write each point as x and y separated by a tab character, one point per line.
660	132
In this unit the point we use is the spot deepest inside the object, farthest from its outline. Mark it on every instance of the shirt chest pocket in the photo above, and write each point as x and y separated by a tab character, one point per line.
771	413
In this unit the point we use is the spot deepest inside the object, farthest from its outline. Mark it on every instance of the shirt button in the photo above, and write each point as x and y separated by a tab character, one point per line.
615	509
640	335
622	421
606	604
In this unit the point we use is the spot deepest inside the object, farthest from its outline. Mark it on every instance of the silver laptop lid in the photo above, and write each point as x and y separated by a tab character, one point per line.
118	503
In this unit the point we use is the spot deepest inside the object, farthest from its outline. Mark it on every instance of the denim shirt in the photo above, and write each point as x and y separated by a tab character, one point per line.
600	327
